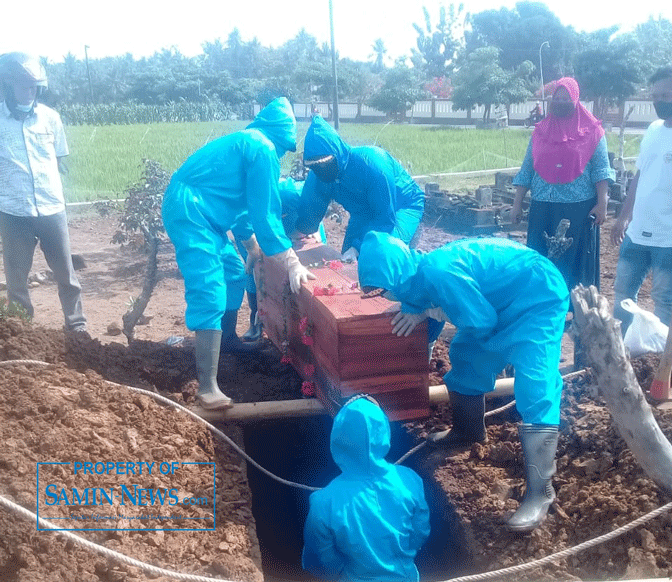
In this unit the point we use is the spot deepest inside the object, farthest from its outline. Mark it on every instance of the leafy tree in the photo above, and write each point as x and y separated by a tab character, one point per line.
654	40
440	87
68	80
354	81
609	73
482	81
437	49
399	92
520	32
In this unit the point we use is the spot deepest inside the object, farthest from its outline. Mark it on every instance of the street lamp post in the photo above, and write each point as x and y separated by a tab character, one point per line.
541	74
88	72
333	65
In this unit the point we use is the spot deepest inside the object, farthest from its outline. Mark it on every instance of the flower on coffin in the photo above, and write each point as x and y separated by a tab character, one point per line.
334	265
309	370
308	389
286	359
328	291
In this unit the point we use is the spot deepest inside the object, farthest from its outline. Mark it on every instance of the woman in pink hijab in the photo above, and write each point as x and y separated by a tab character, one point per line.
567	171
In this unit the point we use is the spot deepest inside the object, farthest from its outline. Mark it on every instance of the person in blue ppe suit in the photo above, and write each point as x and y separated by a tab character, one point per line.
290	196
230	183
508	304
371	520
367	181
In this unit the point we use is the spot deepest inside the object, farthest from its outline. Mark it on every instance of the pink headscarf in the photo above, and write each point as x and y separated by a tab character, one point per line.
563	146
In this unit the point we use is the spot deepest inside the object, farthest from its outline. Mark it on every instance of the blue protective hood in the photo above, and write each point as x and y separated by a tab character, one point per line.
322	140
290	194
277	122
360	438
385	261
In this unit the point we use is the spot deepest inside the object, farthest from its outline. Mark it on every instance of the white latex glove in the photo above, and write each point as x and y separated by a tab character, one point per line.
297	272
253	253
350	255
317	237
437	313
404	323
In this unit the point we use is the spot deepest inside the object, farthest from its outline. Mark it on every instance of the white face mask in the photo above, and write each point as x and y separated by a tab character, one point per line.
24	108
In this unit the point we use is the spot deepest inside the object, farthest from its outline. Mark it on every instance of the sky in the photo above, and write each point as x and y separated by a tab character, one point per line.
142	27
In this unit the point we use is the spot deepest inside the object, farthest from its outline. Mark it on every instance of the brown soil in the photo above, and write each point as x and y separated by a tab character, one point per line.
56	413
68	412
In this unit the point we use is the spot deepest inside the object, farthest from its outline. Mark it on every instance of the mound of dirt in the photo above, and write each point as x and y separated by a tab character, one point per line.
599	486
55	414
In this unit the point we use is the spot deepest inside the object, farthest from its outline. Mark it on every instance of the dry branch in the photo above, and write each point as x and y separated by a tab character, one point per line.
130	318
603	349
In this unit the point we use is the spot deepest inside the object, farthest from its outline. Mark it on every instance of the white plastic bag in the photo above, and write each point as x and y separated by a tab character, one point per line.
646	332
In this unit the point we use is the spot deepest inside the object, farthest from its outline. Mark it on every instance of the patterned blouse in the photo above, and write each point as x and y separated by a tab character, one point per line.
581	189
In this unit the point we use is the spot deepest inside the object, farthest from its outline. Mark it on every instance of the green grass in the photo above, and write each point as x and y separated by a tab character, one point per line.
431	149
105	160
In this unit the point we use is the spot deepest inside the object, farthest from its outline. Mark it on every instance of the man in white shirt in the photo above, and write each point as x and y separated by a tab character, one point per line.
32	206
644	226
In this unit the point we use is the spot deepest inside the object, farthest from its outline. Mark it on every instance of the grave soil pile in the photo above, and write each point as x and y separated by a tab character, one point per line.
67	412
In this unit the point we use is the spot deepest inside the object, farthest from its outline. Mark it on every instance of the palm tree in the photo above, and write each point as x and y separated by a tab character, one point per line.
379	52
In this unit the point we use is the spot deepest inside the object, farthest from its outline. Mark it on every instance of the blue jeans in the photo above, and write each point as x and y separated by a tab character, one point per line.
634	263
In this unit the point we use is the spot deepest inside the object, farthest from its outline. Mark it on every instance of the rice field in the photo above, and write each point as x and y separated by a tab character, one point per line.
105	160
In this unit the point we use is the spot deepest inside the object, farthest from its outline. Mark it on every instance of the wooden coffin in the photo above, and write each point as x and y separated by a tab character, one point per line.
340	341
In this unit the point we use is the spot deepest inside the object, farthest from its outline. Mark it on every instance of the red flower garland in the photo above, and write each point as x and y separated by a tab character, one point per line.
308	389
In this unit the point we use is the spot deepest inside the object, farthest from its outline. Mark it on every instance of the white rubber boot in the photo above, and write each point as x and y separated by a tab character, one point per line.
206	353
540	443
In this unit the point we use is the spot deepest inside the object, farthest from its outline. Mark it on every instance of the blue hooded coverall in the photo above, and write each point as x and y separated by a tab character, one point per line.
230	183
370	521
371	185
290	196
507	302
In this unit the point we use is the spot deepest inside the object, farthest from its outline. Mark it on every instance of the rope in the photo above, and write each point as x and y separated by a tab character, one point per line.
416	448
500	409
568	552
47	525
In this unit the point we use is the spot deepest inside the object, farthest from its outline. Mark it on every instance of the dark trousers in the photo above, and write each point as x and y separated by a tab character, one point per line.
580	263
19	239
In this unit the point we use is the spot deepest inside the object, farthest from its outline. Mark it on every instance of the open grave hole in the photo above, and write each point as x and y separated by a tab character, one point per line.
297	449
